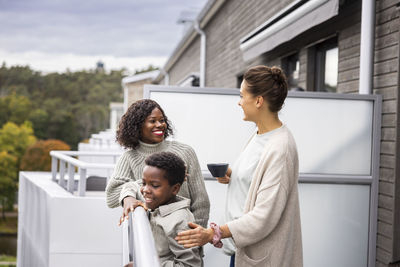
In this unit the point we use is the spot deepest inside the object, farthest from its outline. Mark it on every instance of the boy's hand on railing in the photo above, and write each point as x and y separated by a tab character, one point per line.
130	204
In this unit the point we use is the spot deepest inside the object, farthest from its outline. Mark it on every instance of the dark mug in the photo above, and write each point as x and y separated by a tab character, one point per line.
218	169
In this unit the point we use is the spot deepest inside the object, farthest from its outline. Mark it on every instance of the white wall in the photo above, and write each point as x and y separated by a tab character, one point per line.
58	229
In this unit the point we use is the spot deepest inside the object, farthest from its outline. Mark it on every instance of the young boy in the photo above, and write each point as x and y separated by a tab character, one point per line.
169	214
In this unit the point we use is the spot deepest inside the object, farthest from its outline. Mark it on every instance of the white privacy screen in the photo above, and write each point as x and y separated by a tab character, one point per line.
333	136
210	123
334	224
338	157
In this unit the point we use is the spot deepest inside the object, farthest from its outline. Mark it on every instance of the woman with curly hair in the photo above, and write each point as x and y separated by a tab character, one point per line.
262	207
143	130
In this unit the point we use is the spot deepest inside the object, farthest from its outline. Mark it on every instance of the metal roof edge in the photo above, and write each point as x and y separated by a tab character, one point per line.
141	76
211	7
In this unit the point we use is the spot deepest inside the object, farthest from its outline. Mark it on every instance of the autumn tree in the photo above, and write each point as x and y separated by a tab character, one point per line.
37	156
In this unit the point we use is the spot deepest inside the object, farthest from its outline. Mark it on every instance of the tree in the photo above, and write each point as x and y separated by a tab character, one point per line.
15	139
37	156
68	106
8	181
146	69
39	119
14	108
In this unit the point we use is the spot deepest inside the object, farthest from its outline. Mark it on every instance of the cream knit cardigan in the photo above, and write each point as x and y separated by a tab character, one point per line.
130	166
269	232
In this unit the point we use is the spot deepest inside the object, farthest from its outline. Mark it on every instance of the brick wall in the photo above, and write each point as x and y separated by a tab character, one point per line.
224	61
349	58
386	83
188	62
135	90
232	22
237	18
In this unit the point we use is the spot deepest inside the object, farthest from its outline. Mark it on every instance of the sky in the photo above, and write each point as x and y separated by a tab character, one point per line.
56	35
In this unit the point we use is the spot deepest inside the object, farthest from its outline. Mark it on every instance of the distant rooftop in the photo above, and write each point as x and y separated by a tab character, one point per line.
142	76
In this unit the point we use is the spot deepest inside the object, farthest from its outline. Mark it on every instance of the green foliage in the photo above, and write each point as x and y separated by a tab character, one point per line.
148	68
8	180
68	106
10	224
14	108
8	261
8	258
14	140
37	156
39	119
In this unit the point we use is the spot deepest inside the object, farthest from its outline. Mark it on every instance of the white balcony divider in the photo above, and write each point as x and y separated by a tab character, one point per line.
137	241
338	140
65	160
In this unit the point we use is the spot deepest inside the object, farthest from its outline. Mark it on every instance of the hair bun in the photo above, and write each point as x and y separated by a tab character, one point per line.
277	75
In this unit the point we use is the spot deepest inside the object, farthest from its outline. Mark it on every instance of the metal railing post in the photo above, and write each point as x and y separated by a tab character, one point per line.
82	182
71	174
54	162
61	182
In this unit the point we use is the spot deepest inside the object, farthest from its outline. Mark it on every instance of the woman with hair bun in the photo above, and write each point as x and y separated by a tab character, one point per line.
266	228
143	130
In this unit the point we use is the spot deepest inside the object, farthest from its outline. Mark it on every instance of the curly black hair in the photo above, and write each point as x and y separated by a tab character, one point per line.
130	127
174	166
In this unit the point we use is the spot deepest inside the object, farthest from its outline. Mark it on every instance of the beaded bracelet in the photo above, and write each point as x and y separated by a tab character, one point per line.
216	240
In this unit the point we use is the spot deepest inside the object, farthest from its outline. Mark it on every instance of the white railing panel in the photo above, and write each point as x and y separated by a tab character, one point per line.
71	176
85	168
138	241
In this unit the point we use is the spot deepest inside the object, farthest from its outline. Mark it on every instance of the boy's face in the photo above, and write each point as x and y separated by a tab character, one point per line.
155	189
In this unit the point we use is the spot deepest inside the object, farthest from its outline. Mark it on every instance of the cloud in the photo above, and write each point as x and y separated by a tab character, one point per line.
102	28
46	62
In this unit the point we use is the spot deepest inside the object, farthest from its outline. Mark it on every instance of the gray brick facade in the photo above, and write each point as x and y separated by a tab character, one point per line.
224	63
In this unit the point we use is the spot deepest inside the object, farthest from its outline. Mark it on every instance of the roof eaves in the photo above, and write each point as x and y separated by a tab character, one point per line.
211	7
142	76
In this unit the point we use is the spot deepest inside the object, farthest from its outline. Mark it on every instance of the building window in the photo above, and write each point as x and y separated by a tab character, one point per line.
291	67
326	66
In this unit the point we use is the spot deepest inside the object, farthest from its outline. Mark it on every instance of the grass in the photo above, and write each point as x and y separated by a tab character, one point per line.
9	226
8	259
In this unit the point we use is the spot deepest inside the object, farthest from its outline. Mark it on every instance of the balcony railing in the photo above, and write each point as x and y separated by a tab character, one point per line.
137	241
64	162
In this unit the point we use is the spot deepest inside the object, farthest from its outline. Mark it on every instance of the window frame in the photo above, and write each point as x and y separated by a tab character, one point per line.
320	60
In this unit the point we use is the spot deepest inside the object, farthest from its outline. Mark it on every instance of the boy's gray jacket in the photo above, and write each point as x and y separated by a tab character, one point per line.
166	222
